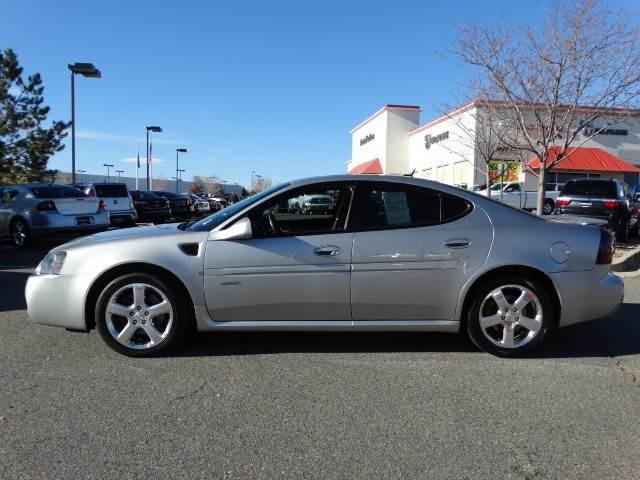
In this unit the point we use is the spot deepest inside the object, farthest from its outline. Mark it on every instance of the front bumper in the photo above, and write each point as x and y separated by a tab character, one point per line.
588	296
57	300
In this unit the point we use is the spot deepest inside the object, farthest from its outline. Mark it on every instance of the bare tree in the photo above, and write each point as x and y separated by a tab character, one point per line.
480	132
560	85
197	185
213	185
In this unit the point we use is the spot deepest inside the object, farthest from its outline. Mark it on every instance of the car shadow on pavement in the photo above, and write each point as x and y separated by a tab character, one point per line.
12	285
263	343
608	337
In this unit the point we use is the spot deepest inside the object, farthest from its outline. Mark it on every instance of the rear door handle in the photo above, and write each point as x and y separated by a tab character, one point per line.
457	243
327	251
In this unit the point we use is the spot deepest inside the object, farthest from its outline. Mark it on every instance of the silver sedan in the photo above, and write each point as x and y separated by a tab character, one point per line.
36	210
394	254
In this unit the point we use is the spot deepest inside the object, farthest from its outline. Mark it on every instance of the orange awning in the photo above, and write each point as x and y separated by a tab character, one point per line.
586	159
372	166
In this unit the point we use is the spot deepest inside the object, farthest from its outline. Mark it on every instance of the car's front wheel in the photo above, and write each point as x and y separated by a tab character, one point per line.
140	315
510	316
20	233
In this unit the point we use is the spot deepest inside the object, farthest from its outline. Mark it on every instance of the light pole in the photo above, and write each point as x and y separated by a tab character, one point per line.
86	70
150	129
178	150
119	172
81	172
258	179
108	165
253	172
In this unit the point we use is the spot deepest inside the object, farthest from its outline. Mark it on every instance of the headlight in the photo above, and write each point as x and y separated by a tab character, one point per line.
51	264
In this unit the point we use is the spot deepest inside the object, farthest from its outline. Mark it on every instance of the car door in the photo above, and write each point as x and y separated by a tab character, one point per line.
414	250
296	266
7	196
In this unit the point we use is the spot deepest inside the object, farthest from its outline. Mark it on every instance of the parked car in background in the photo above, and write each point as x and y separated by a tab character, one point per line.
610	200
200	205
151	207
35	210
217	203
316	204
396	254
181	207
514	194
117	200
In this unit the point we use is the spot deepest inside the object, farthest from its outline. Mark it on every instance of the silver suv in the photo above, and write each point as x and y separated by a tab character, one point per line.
117	200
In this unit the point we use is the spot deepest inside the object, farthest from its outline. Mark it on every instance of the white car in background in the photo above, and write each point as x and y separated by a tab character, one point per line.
515	195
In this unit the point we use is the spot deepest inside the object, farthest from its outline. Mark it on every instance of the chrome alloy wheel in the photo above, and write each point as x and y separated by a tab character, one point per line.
510	316
19	233
139	316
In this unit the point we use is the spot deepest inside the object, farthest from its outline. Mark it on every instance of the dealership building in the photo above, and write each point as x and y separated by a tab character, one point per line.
393	141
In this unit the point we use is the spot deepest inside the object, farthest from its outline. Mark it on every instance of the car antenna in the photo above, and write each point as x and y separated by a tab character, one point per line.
413	172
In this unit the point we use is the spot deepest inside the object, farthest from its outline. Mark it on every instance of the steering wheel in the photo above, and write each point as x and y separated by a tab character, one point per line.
272	222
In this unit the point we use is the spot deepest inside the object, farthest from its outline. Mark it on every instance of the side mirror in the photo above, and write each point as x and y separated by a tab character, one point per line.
241	230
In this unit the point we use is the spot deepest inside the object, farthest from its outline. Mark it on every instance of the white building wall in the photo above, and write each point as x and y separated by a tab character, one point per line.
376	148
399	122
450	157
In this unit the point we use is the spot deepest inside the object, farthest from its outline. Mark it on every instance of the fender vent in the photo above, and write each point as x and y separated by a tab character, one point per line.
190	249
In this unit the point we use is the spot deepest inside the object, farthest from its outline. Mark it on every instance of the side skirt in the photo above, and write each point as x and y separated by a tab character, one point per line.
206	324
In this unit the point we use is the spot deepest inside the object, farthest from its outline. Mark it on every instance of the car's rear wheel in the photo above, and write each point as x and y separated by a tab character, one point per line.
20	233
548	206
140	315
510	316
622	233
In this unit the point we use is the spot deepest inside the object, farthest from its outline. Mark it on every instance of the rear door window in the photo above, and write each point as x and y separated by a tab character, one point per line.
381	206
111	191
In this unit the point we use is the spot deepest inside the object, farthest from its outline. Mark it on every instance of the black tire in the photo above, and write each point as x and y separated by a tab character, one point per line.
20	233
622	232
548	207
472	317
178	327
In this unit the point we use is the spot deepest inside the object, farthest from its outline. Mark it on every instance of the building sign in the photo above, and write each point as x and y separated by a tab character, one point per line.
431	139
367	139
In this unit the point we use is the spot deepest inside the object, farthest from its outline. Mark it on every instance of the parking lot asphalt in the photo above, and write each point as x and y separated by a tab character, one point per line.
316	405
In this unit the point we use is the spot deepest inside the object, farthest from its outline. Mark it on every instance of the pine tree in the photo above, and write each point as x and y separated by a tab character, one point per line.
25	143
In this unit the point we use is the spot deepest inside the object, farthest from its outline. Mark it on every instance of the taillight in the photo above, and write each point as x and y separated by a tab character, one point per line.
91	193
562	202
606	249
47	206
101	204
610	203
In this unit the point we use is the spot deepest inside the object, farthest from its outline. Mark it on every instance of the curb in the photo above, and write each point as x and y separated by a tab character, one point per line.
628	264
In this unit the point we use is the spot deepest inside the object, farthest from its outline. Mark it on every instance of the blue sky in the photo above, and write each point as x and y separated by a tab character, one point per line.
268	86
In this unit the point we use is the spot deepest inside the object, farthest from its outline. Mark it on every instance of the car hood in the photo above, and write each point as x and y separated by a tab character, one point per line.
122	234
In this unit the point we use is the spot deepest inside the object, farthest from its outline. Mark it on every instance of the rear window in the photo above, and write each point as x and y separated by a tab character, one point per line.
56	191
167	194
138	195
111	191
592	188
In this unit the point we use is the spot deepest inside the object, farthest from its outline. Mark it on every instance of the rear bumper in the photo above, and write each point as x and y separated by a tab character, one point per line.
588	296
58	224
123	217
57	300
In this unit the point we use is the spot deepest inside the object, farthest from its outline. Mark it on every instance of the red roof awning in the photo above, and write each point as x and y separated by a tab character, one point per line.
586	159
372	166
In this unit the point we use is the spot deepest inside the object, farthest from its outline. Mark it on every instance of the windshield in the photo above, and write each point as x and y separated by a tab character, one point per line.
112	191
212	221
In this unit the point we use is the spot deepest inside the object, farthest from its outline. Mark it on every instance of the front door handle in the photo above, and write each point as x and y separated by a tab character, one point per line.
457	243
327	251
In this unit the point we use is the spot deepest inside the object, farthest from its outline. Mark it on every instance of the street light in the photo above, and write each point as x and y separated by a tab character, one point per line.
108	165
81	172
150	129
178	150
119	172
86	70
